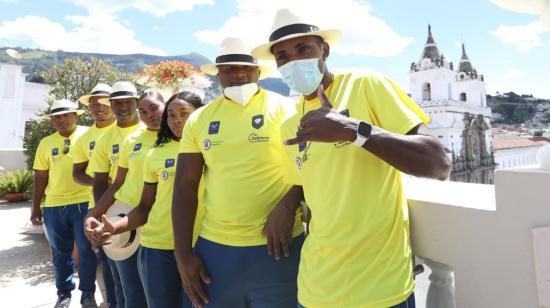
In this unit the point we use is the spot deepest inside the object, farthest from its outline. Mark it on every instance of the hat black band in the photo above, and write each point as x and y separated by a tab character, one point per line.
292	29
131	239
99	92
122	93
235	58
62	109
132	233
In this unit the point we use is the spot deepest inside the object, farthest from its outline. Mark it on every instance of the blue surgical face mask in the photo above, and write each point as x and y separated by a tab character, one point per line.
302	76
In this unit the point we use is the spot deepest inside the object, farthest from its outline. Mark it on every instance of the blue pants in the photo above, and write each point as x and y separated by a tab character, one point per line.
134	295
409	303
112	287
248	276
65	226
161	280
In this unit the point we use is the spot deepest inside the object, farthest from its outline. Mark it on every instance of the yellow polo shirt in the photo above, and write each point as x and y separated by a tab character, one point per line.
82	150
61	189
132	157
358	252
107	149
160	168
243	173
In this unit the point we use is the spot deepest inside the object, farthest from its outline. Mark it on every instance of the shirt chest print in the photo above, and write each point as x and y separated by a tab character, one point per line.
137	147
114	151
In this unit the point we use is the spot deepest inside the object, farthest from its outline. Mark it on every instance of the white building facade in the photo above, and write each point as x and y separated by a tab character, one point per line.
20	101
456	102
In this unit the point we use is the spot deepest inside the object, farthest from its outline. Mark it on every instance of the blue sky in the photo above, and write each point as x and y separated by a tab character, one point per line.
507	40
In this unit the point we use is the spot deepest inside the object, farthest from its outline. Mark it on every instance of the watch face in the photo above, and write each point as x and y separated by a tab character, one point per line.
364	129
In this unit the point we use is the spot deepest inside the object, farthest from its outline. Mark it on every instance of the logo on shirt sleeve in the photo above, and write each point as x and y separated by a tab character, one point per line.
170	162
214	127
164	175
115	148
345	112
137	147
55	151
258	121
92	145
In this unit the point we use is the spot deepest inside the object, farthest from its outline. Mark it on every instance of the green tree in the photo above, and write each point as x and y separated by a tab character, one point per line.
522	113
76	77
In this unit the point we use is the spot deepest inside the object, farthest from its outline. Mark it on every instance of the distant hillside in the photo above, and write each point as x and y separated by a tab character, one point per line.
37	60
512	108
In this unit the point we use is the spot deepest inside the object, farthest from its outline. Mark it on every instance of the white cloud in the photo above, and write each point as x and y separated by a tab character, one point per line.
364	34
99	33
158	8
513	73
524	6
522	37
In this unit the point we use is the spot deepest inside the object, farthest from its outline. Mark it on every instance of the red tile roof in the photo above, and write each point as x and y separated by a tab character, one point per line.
500	143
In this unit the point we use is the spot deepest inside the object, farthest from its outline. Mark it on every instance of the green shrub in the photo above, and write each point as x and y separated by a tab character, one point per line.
17	181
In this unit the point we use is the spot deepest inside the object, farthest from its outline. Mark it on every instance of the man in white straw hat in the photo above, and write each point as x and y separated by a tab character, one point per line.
104	163
83	174
65	206
249	244
348	139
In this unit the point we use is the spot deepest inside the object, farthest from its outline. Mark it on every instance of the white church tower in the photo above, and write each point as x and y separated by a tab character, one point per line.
456	103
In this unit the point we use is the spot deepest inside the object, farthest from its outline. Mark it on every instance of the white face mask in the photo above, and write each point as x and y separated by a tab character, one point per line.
241	94
302	76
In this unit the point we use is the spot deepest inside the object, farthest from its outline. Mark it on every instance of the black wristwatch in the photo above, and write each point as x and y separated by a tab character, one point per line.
363	133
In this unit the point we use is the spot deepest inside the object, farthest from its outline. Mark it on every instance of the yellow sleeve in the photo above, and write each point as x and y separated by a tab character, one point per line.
189	142
100	157
392	109
41	159
79	150
149	174
125	150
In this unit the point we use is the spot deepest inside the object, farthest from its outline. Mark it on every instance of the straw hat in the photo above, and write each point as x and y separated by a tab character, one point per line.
101	89
62	106
233	52
120	90
122	245
286	26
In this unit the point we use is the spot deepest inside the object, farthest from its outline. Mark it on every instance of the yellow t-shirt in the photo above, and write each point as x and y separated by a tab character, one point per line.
82	150
132	156
243	174
107	149
61	189
160	169
357	253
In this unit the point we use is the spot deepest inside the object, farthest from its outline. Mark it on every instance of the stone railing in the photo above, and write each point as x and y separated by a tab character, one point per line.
486	246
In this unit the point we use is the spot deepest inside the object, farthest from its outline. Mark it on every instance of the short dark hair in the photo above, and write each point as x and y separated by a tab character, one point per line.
165	134
151	93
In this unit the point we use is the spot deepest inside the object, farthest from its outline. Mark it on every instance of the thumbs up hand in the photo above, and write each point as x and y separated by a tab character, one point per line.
325	124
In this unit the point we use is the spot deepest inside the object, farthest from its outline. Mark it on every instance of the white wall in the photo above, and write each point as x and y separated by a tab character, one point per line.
516	157
35	98
12	82
439	79
12	159
484	233
19	102
475	92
